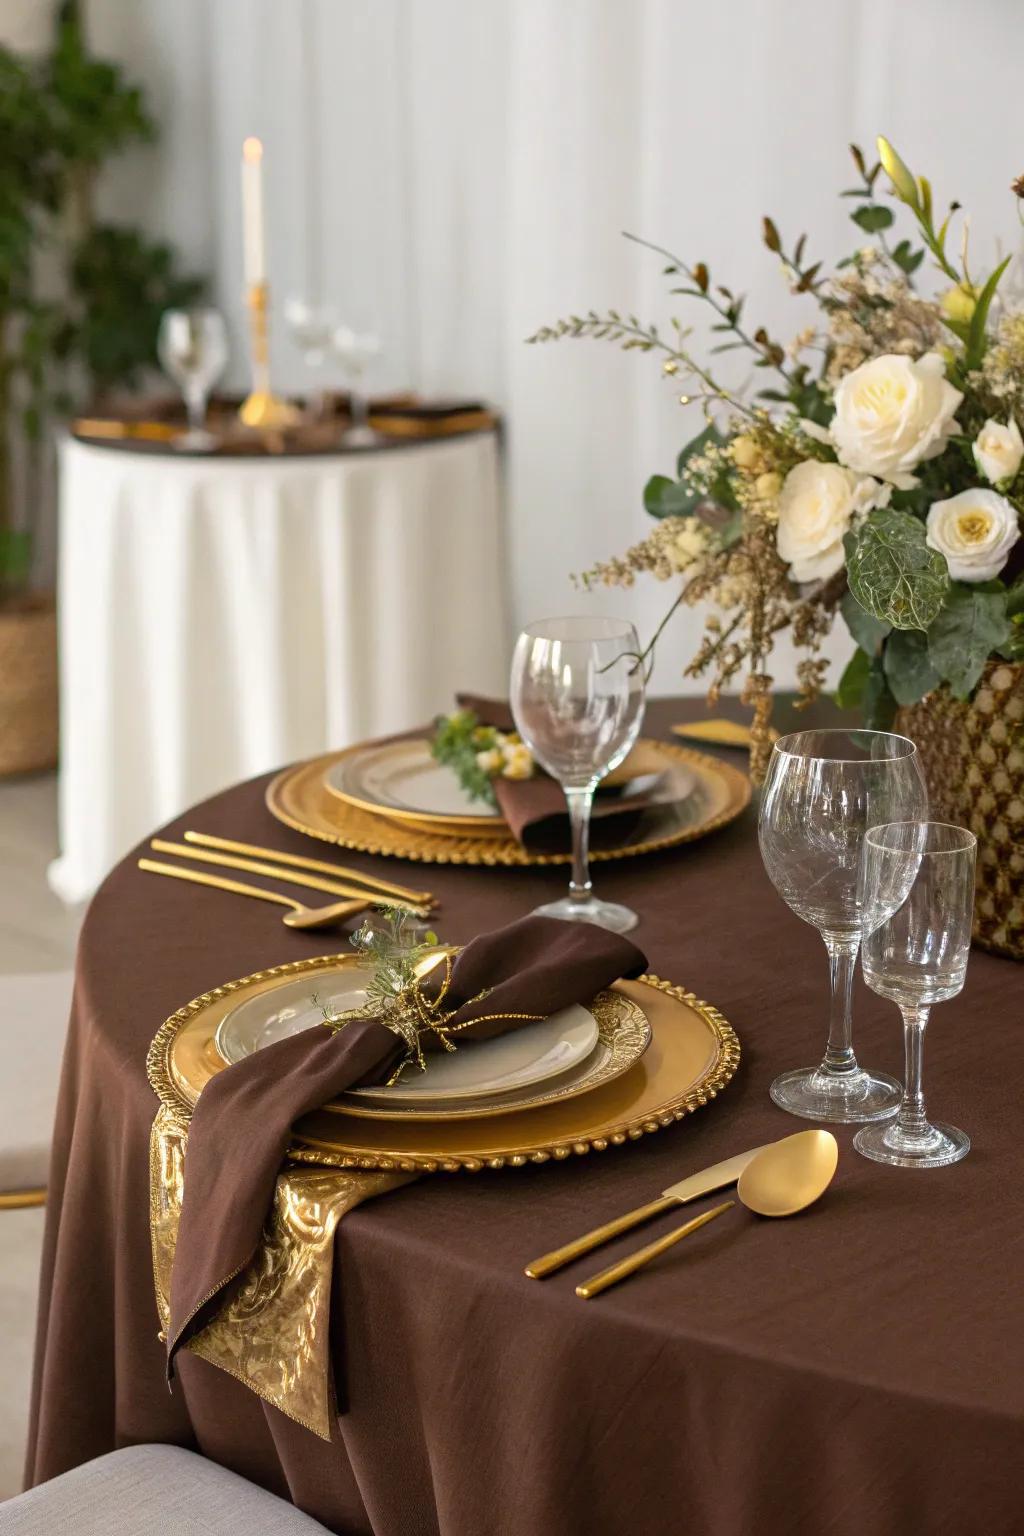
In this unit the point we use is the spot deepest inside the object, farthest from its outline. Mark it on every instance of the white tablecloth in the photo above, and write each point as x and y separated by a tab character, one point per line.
220	617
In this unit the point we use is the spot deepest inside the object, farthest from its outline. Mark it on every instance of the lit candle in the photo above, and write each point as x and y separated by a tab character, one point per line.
252	212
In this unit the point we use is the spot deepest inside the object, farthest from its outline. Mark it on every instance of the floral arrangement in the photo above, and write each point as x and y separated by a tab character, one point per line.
877	476
479	754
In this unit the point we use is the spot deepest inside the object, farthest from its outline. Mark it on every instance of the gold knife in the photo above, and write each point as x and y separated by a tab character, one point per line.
718	1176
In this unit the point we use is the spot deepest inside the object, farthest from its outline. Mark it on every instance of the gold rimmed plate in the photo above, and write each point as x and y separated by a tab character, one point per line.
693	1054
401	780
299	797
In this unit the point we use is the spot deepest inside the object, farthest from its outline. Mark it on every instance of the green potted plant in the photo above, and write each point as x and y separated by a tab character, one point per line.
80	304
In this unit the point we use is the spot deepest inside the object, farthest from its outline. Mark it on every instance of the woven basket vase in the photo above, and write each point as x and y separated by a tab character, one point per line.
972	753
28	685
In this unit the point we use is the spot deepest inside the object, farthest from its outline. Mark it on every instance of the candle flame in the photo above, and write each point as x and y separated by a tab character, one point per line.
252	150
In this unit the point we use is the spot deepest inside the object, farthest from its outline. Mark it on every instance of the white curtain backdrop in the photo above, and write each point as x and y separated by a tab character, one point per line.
452	173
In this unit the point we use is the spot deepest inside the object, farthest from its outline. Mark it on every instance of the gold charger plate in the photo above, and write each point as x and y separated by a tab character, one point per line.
693	1054
299	798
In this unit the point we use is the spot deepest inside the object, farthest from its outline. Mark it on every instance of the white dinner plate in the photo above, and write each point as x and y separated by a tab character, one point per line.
402	780
531	1054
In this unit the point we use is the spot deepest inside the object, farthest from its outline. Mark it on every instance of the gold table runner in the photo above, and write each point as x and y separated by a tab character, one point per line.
272	1330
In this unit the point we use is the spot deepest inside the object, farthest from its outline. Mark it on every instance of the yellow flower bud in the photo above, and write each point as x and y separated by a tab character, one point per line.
745	452
898	172
768	485
957	304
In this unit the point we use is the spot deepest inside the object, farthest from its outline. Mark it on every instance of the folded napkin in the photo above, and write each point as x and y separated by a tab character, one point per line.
535	808
241	1125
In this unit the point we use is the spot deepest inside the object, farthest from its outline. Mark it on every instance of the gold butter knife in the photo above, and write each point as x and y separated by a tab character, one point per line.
718	1176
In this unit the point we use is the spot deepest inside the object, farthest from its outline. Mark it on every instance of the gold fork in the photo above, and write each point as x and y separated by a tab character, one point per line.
289	876
316	866
298	916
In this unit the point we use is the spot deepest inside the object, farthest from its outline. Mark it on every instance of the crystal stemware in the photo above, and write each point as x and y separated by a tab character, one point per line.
192	345
824	789
312	330
356	352
917	905
577	696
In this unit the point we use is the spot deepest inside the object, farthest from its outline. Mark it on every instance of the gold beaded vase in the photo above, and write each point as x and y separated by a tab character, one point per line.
972	754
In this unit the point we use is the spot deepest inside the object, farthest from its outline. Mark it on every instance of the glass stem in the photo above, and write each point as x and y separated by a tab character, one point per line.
195	407
911	1120
579	802
842	957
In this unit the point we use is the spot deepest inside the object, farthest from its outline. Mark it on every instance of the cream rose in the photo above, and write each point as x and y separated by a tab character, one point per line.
817	504
998	450
975	531
892	413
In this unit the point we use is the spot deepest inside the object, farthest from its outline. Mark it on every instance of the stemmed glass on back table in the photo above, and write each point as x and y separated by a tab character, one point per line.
577	696
823	791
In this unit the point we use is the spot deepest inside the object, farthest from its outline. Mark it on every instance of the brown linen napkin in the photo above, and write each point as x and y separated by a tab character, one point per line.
535	808
241	1125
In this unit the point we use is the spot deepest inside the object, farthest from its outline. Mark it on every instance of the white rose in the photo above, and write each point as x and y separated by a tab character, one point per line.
892	413
817	504
998	450
975	531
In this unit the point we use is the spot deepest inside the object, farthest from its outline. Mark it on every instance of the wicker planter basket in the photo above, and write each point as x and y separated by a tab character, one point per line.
973	759
28	685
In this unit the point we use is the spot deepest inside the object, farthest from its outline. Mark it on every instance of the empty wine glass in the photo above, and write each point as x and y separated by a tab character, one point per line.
577	696
355	352
917	905
312	329
823	791
192	345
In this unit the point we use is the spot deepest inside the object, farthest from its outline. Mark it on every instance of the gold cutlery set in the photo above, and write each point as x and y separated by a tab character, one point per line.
358	891
776	1180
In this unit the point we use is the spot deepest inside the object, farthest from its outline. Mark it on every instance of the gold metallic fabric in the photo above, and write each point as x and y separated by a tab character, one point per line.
272	1330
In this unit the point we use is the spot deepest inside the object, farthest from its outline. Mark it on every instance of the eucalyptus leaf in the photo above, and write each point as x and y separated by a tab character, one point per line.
879	706
873	217
892	572
850	692
668	498
964	635
908	668
868	631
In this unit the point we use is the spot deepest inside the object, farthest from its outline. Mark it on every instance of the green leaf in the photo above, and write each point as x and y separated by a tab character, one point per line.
873	217
668	498
969	628
850	692
892	572
697	445
908	668
879	706
979	320
868	631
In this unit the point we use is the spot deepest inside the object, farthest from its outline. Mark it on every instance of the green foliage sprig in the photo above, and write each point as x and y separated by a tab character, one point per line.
460	742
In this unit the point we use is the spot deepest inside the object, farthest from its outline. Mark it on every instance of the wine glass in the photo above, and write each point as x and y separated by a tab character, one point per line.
917	905
312	329
577	696
192	345
823	791
355	352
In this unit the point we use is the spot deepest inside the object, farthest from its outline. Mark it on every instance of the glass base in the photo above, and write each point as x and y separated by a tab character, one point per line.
360	437
847	1098
606	914
934	1146
195	440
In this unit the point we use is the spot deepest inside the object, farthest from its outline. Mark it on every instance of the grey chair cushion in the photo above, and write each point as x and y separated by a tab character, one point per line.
152	1490
33	1022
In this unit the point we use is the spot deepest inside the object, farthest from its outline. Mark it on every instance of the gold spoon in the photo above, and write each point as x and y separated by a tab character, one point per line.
784	1178
298	917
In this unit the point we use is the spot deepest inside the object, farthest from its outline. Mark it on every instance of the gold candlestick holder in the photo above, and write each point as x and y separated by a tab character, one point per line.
263	408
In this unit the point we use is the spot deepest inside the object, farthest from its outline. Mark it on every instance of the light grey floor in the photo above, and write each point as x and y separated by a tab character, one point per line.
37	933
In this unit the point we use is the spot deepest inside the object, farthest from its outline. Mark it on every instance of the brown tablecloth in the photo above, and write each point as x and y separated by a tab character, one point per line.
856	1369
